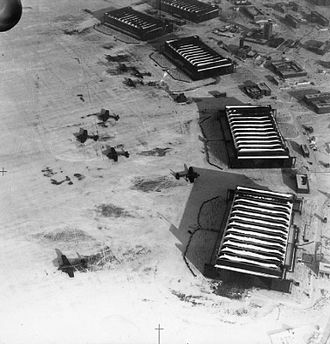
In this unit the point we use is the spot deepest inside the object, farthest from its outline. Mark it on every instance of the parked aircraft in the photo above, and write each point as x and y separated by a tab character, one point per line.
187	174
72	265
113	154
82	136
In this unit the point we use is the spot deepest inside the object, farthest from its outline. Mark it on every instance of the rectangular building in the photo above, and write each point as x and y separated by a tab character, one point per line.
302	183
253	139
258	237
324	269
320	102
241	2
197	59
321	2
193	10
254	13
292	21
253	91
136	24
264	89
287	69
318	18
318	47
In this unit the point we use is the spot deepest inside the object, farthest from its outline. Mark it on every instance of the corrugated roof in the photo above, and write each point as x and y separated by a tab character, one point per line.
129	16
192	6
256	234
255	133
198	54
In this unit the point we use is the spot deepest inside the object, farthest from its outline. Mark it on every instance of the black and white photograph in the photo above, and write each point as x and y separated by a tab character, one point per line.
165	172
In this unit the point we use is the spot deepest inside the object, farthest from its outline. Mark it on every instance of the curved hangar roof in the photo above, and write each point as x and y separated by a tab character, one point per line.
196	58
255	133
256	234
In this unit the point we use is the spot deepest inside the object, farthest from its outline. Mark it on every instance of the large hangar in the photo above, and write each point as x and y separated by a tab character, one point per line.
253	139
197	59
258	237
193	10
134	23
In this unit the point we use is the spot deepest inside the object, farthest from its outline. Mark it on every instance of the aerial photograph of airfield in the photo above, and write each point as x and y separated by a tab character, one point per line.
165	172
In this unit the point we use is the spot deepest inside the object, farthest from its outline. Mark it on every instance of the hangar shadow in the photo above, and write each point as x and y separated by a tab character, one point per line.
209	109
206	208
295	147
98	14
289	178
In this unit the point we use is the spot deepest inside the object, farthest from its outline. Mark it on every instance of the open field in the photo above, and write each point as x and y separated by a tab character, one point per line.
60	194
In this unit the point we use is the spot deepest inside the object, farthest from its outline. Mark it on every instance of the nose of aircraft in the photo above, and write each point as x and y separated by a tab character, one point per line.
10	13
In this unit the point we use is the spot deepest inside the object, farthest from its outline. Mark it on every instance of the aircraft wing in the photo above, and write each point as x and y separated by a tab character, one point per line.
66	266
65	261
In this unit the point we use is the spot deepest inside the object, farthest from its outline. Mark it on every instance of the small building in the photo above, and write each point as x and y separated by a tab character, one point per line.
321	2
272	79
136	24
307	233
253	139
304	150
324	269
258	236
254	13
241	2
275	42
293	5
264	89
302	183
320	102
292	21
318	47
318	18
256	36
253	91
268	30
193	10
287	69
279	7
197	59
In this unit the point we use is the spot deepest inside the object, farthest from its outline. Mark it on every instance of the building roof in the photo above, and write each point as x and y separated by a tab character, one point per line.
192	7
255	133
256	234
196	55
135	19
324	268
321	99
288	68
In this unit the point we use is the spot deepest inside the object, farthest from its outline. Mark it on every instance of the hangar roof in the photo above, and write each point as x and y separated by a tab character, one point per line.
255	133
256	235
